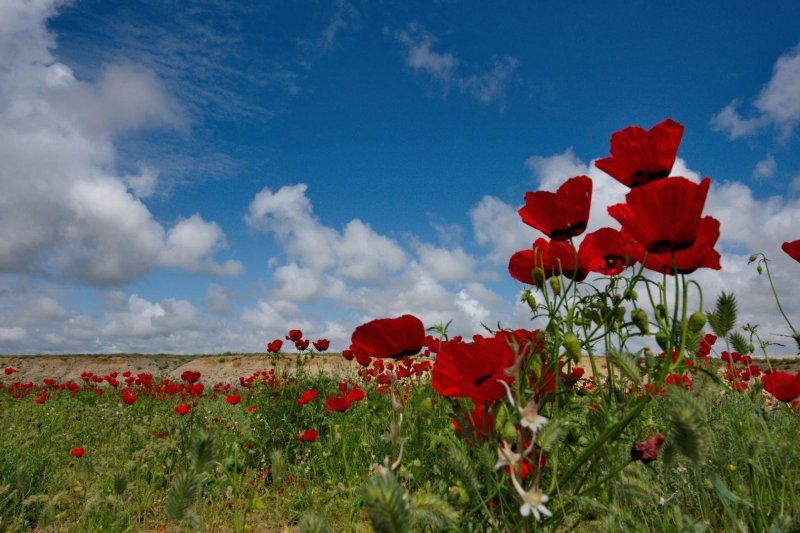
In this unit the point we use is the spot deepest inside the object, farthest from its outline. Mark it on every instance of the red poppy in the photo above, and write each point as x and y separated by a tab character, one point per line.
309	435
647	450
10	370
252	409
701	254
275	346
233	399
322	344
783	386
306	396
560	215
793	249
663	216
474	369
190	376
348	354
606	251
388	337
129	398
339	404
294	335
302	344
639	156
183	408
480	422
552	257
77	452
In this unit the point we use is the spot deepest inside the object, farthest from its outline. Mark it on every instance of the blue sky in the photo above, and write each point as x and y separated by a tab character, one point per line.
200	176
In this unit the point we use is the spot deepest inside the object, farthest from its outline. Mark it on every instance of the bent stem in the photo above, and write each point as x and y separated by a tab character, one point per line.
795	334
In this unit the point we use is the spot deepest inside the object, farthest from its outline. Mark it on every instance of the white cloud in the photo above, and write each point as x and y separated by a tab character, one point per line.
217	300
65	210
765	168
444	68
447	265
14	334
778	103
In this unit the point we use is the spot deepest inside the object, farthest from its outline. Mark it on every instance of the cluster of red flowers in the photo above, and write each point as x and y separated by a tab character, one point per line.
739	369
661	222
296	336
348	393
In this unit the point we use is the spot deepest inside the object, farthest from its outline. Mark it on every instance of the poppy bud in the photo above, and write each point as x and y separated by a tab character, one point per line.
509	432
647	450
426	406
528	298
630	295
662	338
661	312
573	345
555	284
759	270
620	314
752	258
538	277
639	319
697	321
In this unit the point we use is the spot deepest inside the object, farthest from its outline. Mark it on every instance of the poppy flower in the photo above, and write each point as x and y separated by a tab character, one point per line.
306	396
190	376
183	408
560	215
340	404
77	452
233	399
302	344
480	422
252	409
473	370
128	398
663	216
783	386
792	249
309	435
322	344
701	254
605	251
10	370
294	335
275	346
647	450
552	257
388	337
639	157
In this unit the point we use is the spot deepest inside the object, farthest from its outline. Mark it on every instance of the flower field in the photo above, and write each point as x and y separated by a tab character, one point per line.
640	405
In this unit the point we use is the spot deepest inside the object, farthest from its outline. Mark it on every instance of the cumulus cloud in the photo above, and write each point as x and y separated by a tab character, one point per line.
778	103
65	210
765	168
448	72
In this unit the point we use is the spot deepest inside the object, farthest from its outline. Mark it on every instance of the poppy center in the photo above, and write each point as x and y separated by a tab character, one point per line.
481	380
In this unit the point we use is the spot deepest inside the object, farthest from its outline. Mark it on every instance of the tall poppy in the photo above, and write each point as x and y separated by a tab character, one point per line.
473	369
664	215
274	346
388	337
701	254
639	156
792	249
560	215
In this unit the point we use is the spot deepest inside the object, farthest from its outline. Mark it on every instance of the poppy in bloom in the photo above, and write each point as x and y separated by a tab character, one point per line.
294	335
77	452
252	409
388	337
275	346
793	249
190	376
552	257
647	450
233	399
782	385
128	398
306	396
10	370
302	344
348	354
560	215
183	409
639	157
322	344
701	254
480	422
474	370
663	216
309	435
340	404
605	251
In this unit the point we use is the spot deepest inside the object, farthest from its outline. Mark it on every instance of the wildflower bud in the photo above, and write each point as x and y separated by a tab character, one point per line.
752	258
647	450
555	284
639	319
538	277
759	270
509	432
528	298
426	406
573	345
630	295
620	314
661	312
697	321
662	338
615	297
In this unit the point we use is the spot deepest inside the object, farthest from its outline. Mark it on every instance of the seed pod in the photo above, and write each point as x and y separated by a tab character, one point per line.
538	277
697	321
662	338
639	319
426	406
661	312
630	295
509	432
573	345
555	284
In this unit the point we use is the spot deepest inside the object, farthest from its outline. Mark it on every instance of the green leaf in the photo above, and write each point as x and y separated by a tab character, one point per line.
386	504
723	319
181	495
626	363
202	452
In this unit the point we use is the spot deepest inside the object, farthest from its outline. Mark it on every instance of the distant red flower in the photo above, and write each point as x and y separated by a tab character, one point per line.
302	344
294	335
792	249
309	435
129	398
647	450
275	346
473	370
41	399
322	344
77	452
639	156
233	399
190	376
339	404
663	216
10	370
306	396
388	337
560	215
348	354
183	409
252	409
701	254
783	386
